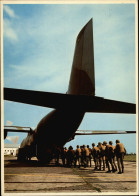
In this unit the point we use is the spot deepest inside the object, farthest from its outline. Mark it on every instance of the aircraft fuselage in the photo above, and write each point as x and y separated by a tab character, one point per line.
52	132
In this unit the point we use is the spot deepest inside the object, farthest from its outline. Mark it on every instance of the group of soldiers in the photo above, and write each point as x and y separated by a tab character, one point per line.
104	156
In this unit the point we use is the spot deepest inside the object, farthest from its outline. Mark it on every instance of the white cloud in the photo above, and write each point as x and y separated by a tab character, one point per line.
13	139
8	122
9	31
9	11
45	77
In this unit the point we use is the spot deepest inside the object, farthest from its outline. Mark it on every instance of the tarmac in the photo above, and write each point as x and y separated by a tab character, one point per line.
33	177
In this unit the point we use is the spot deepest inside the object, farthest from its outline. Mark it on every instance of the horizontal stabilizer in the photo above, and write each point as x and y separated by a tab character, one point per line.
81	102
89	132
17	129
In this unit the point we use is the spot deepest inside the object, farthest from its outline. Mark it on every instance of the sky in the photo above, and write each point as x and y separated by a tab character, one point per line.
38	45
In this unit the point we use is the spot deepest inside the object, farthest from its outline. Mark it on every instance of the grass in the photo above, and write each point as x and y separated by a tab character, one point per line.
130	157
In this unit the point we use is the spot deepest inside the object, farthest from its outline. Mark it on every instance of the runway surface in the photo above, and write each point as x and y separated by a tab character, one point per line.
32	177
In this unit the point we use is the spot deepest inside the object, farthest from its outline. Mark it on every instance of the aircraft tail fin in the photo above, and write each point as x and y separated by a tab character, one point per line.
82	79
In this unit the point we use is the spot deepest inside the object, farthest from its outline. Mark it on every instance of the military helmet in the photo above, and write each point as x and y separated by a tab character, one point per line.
117	141
110	142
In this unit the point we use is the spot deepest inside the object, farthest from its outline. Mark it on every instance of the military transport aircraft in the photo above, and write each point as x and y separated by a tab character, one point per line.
60	125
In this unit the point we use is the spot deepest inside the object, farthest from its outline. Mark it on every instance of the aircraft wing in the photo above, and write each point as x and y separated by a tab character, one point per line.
78	132
89	132
85	103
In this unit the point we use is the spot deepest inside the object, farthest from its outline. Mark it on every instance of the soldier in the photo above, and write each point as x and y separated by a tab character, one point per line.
102	148
120	152
87	152
95	154
90	155
109	155
57	153
105	157
70	156
81	147
100	155
103	152
112	155
84	156
63	155
77	156
65	152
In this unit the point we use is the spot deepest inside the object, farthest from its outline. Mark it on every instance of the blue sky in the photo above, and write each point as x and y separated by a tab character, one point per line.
39	43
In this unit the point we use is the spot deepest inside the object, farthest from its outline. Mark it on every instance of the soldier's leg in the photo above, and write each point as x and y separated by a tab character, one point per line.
57	158
75	161
64	161
95	161
115	166
118	162
90	160
72	161
100	163
84	161
68	161
108	165
62	158
111	162
103	158
87	161
79	161
122	162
